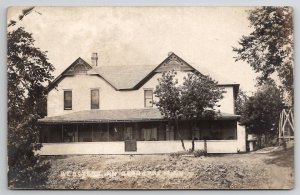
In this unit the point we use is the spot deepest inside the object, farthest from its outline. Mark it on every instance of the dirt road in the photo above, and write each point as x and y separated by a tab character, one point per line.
272	170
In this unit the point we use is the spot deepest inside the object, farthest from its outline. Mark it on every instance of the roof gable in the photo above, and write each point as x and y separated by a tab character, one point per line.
79	66
173	62
125	77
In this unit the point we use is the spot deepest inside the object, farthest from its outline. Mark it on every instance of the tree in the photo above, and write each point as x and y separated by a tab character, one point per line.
28	71
269	47
262	110
240	102
169	103
25	12
26	169
195	99
199	97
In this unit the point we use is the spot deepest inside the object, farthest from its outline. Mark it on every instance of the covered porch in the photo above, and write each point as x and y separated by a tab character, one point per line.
139	131
146	134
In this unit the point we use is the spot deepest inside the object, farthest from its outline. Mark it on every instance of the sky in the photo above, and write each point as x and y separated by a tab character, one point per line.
202	36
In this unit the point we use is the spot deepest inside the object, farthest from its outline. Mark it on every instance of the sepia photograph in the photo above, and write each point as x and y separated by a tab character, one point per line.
150	98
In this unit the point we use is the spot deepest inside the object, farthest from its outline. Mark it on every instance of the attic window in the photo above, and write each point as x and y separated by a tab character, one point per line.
95	99
148	98
68	100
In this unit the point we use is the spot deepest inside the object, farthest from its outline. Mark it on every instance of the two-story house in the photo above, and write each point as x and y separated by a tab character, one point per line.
96	109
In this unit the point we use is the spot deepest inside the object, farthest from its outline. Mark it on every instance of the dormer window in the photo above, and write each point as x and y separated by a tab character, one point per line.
148	98
68	100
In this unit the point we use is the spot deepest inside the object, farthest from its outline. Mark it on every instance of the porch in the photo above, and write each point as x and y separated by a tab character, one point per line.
139	132
143	147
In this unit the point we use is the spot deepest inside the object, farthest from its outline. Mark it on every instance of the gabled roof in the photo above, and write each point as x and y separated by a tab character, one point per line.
127	77
124	77
70	70
122	115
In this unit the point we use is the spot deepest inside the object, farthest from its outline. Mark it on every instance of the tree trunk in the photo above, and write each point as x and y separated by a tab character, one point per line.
177	130
193	144
193	137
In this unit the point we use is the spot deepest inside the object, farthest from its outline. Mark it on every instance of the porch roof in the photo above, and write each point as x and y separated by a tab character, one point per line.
122	115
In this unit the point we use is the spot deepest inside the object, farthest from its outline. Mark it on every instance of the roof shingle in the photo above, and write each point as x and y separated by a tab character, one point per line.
132	115
124	77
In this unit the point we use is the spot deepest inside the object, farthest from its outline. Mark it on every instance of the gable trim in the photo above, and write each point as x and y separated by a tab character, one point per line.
60	77
152	73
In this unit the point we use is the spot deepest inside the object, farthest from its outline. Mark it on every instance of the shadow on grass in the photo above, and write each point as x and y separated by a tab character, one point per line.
282	158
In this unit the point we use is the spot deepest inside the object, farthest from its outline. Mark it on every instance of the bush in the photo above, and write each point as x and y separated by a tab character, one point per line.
180	153
198	153
26	168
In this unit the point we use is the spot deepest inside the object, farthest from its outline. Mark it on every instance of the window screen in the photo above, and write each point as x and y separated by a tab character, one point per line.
68	100
95	99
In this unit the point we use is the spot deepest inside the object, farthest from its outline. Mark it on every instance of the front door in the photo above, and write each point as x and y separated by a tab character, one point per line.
130	141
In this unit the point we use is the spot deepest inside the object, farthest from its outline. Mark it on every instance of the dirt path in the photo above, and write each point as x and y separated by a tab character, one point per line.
230	171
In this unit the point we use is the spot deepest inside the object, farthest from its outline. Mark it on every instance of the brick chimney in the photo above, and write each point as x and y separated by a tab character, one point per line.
94	59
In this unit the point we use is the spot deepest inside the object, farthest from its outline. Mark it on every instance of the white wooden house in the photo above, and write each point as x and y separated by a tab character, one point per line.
96	109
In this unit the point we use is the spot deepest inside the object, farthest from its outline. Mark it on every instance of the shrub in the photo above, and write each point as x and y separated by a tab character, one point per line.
198	153
180	153
26	168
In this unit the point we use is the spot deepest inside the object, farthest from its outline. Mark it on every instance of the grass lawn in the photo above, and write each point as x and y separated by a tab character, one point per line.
257	170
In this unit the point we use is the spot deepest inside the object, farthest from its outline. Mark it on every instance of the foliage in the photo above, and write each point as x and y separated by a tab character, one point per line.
25	12
240	102
195	99
28	71
169	94
262	110
198	153
199	96
26	170
269	47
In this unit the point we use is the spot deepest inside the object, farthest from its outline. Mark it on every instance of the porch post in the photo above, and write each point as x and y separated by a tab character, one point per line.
92	132
108	131
62	133
135	131
124	131
77	132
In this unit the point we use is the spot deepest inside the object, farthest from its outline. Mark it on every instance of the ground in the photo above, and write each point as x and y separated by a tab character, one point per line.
271	168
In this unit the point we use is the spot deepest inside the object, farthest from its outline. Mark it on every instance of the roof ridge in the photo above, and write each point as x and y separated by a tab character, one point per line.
124	65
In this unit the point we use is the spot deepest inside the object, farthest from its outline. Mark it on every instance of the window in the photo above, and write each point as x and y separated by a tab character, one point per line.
150	134
95	99
69	133
68	100
148	98
169	132
128	133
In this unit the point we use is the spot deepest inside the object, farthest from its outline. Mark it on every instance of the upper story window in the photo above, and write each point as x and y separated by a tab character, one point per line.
68	100
148	98
95	99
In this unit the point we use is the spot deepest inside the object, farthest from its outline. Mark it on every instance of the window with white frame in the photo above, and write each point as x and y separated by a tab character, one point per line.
148	98
95	99
68	99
